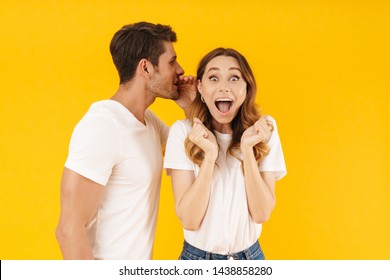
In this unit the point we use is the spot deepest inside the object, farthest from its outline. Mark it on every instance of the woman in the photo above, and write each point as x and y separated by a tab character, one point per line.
224	161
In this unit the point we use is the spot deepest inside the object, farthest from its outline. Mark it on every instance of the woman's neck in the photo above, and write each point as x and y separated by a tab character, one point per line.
224	128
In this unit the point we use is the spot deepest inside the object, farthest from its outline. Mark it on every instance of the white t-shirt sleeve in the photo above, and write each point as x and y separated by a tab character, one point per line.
94	148
274	161
175	154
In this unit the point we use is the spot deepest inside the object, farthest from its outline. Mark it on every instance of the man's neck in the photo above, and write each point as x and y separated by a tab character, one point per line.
135	99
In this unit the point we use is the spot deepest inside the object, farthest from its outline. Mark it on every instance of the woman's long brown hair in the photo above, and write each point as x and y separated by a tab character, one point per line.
246	116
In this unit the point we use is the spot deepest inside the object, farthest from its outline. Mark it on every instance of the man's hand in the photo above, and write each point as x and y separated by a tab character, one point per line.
187	91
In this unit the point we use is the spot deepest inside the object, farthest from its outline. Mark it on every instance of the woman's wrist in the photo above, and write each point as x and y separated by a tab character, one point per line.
211	156
246	150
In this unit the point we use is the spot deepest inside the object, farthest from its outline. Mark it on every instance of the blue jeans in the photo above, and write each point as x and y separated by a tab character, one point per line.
190	252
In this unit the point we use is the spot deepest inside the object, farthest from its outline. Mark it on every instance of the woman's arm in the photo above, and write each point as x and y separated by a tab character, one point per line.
260	186
260	189
192	194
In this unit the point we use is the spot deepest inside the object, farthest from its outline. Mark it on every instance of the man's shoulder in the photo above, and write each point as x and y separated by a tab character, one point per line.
112	111
107	108
101	108
99	119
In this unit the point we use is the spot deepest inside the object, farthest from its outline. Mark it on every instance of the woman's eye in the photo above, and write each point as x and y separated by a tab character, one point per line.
234	78
213	78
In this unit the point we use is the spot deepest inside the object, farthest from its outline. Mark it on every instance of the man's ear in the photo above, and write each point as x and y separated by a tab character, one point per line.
144	66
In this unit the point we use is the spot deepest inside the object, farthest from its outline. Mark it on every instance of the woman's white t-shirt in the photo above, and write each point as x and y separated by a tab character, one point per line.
227	226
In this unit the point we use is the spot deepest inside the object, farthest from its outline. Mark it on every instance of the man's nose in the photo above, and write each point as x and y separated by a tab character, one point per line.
179	70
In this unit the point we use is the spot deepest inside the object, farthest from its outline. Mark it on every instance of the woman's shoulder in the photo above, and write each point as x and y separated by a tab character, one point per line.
271	119
182	125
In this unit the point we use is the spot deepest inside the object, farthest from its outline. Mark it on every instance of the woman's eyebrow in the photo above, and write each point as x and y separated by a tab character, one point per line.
216	68
212	69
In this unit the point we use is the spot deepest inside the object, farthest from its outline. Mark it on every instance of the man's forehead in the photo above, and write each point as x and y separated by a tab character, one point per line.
169	50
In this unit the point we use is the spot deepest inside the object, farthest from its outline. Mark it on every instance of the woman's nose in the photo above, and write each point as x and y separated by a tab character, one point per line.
224	88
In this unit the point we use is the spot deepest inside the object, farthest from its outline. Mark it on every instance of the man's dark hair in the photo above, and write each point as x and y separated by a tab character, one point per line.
136	41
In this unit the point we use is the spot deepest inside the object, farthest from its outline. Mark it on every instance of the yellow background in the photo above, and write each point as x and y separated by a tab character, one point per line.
323	74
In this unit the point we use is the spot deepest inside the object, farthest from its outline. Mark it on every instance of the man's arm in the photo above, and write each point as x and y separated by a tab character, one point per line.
80	198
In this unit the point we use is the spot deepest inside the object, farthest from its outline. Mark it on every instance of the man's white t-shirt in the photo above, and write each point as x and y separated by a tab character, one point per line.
111	147
227	227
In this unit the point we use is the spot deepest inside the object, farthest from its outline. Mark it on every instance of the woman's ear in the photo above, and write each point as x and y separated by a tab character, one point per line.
199	86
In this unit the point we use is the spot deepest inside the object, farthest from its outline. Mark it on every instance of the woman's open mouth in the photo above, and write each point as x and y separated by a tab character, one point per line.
223	104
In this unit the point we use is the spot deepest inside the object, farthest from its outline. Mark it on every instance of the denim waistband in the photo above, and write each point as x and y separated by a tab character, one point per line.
204	255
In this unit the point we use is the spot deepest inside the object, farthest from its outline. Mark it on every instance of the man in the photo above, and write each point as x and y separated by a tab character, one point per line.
111	181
